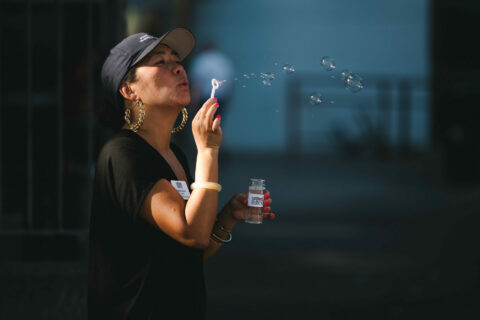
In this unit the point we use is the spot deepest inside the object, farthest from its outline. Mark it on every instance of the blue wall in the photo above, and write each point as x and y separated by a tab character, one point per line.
370	36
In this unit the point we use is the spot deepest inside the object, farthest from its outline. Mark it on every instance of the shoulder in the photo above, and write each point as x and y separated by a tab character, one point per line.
124	149
125	143
122	141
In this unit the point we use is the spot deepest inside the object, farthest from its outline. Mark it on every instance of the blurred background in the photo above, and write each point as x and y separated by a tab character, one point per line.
376	192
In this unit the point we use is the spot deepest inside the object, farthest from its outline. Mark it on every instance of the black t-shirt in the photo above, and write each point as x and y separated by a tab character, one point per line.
136	271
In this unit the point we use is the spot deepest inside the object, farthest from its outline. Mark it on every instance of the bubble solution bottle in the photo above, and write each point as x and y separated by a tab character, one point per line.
256	190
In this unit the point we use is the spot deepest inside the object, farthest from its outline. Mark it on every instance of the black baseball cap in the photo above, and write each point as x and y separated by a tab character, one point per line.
130	51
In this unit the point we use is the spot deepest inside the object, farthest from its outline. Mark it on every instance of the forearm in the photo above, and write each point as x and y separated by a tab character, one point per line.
224	225
201	208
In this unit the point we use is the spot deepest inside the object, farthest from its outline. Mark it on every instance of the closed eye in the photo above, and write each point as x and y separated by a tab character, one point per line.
163	62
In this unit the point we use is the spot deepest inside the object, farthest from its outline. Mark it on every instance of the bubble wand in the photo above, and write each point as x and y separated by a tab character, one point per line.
215	86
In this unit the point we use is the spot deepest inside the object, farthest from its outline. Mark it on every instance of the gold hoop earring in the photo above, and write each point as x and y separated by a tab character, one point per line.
183	123
141	116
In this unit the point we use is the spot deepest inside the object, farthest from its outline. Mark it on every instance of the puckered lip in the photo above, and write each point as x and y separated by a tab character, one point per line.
184	82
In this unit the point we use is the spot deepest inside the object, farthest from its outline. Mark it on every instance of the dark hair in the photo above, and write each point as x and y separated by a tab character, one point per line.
131	75
112	116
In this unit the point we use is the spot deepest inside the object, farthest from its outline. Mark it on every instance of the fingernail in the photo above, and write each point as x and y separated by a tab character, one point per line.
216	104
215	98
218	116
272	216
244	200
266	196
267	208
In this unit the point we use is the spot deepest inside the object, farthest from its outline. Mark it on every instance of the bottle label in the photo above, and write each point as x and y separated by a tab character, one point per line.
255	200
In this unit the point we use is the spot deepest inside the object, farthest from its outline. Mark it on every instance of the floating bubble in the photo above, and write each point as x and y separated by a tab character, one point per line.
316	98
235	79
328	63
220	82
267	75
246	76
277	111
354	82
288	69
344	73
244	85
252	75
332	102
267	78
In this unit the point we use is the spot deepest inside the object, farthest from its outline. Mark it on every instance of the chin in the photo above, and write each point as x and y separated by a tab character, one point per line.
184	102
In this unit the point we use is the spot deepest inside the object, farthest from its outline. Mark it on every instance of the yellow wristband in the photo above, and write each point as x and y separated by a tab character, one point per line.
206	185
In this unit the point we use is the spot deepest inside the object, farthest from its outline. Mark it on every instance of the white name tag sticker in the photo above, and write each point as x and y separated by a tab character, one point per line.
182	188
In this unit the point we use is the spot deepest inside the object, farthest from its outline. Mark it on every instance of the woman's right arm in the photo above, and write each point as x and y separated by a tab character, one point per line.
190	223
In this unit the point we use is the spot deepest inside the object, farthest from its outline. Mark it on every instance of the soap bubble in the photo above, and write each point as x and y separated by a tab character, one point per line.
220	82
354	82
316	98
328	63
344	73
267	78
288	69
246	76
267	75
235	79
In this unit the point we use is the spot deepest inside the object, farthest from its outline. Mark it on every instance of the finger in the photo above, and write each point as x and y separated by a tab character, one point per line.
216	123
206	106
210	112
242	197
201	112
212	104
269	216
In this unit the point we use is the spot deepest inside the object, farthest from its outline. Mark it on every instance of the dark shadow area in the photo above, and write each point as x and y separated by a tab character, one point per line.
370	232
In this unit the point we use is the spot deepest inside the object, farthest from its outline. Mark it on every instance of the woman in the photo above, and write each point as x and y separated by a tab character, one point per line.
149	232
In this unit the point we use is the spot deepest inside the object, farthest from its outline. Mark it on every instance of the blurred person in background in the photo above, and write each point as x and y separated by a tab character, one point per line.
152	226
211	63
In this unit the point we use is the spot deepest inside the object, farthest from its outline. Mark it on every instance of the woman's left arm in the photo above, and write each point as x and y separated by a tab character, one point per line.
233	212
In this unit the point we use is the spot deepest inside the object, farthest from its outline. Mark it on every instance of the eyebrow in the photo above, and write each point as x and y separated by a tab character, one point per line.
173	52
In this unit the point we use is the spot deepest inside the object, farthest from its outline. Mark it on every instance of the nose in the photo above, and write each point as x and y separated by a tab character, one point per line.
178	69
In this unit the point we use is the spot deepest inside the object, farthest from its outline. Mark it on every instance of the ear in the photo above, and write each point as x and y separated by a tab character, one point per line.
127	92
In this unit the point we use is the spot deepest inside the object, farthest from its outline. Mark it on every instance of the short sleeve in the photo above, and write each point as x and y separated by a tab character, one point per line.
126	171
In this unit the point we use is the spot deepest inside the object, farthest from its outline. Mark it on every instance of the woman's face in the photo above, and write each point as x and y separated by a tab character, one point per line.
161	79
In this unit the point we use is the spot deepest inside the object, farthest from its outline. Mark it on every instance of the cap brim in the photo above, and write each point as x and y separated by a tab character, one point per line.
180	40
